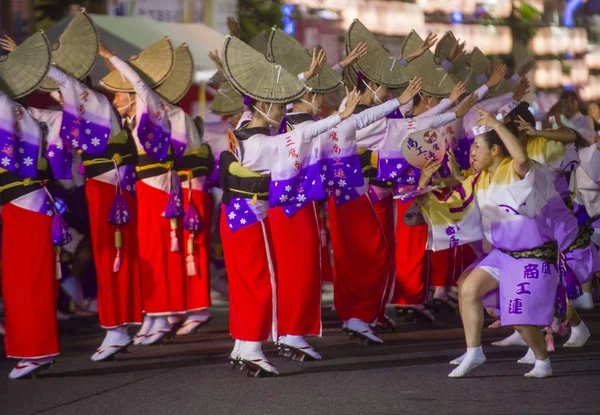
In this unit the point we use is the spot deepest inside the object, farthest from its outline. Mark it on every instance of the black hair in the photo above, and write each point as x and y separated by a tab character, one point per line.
522	110
513	128
570	94
87	81
253	105
417	100
492	138
362	84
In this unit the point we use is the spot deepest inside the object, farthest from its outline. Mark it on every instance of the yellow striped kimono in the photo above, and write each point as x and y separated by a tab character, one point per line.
495	208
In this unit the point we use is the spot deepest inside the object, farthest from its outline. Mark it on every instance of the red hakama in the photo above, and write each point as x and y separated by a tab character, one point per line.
411	261
439	267
197	287
162	271
29	286
119	294
384	209
251	273
297	247
362	262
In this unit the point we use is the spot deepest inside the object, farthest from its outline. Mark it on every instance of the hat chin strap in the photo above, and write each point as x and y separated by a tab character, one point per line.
275	123
126	106
311	103
376	98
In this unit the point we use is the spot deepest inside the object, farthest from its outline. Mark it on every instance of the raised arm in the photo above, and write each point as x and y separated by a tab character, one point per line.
376	113
445	104
328	123
562	135
141	89
513	145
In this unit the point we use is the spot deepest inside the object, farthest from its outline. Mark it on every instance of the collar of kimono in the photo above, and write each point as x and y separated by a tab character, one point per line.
299	117
361	107
246	133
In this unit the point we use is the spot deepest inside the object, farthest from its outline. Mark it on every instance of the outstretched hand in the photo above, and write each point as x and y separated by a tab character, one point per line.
457	91
413	88
352	100
8	44
318	60
358	52
214	56
427	172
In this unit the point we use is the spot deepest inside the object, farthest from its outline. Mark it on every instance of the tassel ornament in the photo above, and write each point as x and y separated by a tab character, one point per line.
118	245
57	266
549	338
190	262
174	240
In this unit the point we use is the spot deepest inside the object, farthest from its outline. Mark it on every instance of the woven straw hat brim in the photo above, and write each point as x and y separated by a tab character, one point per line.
444	47
217	78
482	65
179	81
436	81
379	65
76	50
461	71
22	71
350	77
289	53
154	64
260	43
252	74
227	100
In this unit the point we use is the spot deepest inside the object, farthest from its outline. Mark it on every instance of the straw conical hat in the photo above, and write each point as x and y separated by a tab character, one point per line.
75	51
22	71
289	53
436	81
350	77
227	100
154	64
482	65
252	74
379	65
180	79
217	78
461	71
260	42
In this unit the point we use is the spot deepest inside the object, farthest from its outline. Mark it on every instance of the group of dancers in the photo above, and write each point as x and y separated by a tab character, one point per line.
430	169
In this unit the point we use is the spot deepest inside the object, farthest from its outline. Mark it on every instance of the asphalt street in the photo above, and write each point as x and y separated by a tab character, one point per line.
407	374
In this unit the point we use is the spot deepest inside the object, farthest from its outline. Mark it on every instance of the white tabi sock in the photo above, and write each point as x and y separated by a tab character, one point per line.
579	336
528	359
514	339
542	369
584	302
474	358
459	359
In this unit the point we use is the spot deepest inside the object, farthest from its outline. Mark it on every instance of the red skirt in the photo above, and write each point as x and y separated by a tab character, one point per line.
362	260
251	274
197	287
29	286
411	261
440	264
162	271
120	293
297	246
384	209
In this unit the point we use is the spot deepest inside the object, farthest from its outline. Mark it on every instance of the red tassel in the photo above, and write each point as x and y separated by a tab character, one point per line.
117	263
549	339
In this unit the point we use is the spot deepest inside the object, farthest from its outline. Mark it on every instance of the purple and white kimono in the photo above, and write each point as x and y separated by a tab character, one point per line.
512	214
